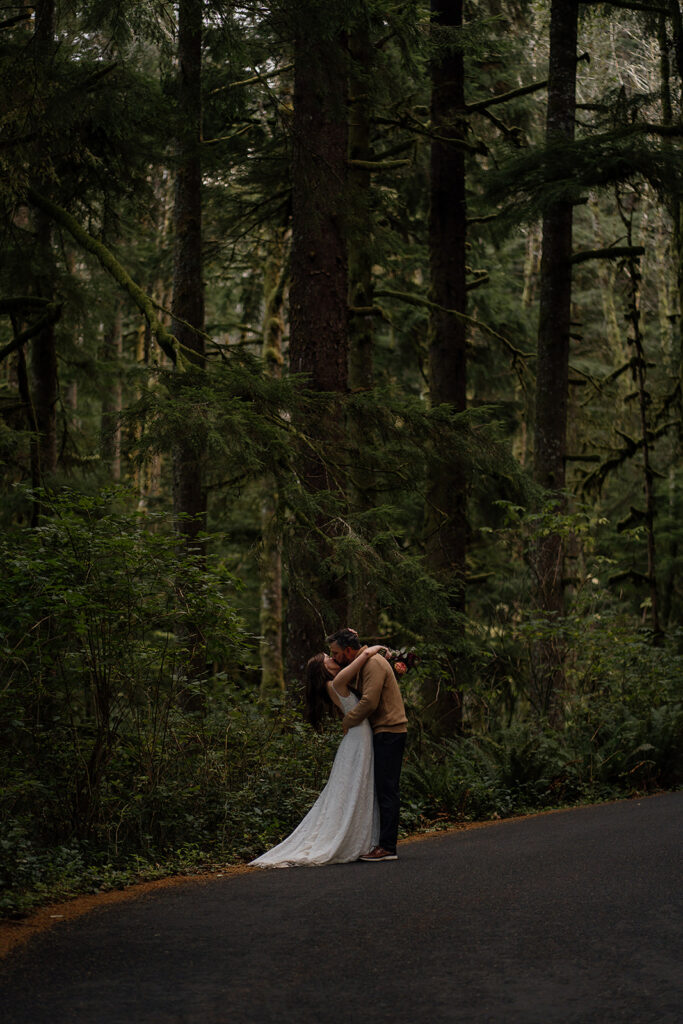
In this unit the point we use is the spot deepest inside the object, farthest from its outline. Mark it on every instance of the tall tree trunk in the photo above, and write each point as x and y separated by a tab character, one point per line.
639	374
112	403
361	219
552	370
318	309
30	420
272	666
447	508
675	208
676	205
189	494
363	604
45	390
187	324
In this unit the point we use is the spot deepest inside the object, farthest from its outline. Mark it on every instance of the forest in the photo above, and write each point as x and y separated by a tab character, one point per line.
316	315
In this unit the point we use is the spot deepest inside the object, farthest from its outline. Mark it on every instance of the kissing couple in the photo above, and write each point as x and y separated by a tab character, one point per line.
356	815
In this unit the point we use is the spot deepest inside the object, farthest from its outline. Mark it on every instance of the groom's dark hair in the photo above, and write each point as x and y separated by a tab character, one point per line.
345	638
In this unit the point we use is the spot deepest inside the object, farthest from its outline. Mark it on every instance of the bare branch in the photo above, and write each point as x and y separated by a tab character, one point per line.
254	78
26	16
19	302
378	165
625	5
503	97
52	314
616	252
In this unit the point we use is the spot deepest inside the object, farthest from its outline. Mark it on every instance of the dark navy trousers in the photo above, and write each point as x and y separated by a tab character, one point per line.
388	748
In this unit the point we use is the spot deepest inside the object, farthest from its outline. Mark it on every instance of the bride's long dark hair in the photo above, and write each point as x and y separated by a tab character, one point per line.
318	702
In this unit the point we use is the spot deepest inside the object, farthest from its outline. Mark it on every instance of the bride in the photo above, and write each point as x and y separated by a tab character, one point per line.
344	821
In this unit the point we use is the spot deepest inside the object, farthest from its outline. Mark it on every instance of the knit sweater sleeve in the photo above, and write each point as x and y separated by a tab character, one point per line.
373	681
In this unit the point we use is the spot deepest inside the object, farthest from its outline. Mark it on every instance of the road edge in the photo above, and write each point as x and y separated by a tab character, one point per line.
16	933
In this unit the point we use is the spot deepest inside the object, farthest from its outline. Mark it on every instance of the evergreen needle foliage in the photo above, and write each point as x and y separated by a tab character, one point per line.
184	518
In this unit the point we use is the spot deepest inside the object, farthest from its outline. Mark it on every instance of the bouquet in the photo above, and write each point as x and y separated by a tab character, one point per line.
401	661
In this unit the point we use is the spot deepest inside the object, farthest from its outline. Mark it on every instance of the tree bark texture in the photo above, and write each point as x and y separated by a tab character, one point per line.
112	402
188	292
447	244
318	311
446	519
363	603
271	604
552	368
675	205
556	273
318	307
45	389
361	240
639	374
676	210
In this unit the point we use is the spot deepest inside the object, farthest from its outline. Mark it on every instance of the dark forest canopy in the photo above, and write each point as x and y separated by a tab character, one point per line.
314	314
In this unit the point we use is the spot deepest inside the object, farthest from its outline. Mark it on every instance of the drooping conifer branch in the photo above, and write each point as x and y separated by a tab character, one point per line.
109	262
418	300
412	124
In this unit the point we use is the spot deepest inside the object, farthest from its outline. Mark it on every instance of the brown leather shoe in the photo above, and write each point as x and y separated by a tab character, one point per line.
379	853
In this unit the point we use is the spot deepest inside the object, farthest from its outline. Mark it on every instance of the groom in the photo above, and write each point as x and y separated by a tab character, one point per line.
382	704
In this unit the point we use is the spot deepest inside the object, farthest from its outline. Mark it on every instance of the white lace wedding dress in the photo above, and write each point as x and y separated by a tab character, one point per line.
344	821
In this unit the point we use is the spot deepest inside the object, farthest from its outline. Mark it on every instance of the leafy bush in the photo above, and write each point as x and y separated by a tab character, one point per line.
101	632
120	760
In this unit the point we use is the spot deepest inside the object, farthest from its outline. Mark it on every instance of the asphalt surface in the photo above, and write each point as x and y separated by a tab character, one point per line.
566	917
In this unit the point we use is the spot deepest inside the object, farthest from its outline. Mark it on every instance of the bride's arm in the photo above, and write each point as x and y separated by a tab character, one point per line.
347	674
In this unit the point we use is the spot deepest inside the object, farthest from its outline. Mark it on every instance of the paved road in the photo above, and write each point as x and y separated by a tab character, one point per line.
569	917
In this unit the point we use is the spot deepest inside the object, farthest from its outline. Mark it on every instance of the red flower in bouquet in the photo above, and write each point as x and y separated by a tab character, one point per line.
401	661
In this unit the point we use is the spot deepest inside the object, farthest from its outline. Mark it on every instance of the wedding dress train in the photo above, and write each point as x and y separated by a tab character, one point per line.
344	821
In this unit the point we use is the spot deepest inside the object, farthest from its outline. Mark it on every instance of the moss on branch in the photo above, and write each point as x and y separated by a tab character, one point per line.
167	342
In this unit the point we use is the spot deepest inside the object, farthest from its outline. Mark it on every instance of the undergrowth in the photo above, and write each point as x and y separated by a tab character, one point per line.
118	764
255	771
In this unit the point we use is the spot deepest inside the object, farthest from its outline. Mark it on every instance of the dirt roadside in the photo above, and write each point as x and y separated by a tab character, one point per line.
14	933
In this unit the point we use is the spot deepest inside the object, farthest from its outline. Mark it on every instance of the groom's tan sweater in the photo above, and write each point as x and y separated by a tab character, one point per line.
381	701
